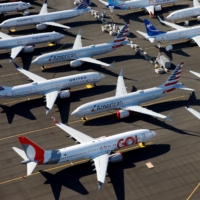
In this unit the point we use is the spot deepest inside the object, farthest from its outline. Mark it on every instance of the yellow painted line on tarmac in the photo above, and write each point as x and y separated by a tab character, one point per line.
193	191
67	165
95	117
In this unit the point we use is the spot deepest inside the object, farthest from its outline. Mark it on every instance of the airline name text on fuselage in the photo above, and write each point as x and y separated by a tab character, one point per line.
111	105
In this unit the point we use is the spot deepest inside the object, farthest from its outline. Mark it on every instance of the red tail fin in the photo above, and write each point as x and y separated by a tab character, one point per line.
32	150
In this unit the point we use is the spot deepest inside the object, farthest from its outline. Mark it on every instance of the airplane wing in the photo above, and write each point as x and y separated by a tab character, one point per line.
3	35
194	112
50	99
195	73
101	164
121	89
15	51
105	3
56	24
146	111
44	8
150	9
77	135
92	60
196	39
32	76
171	24
78	41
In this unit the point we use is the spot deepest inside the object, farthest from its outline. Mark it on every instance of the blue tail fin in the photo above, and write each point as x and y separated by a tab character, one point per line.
83	5
151	29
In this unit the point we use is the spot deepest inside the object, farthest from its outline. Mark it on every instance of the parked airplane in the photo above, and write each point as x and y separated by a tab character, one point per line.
78	54
191	110
97	149
50	88
153	34
125	103
15	6
25	43
44	19
149	5
186	13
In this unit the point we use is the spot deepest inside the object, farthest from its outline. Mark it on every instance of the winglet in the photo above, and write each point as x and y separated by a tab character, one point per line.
47	110
121	72
54	119
16	65
111	65
160	19
100	184
11	59
168	117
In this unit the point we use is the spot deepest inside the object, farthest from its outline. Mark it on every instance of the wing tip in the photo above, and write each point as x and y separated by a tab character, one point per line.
100	184
47	110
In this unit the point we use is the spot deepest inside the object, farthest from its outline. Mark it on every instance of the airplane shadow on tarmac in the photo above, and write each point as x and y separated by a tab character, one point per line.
160	107
70	177
24	108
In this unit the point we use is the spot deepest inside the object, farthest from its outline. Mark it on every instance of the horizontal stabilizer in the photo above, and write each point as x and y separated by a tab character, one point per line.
30	167
21	153
151	39
57	25
142	33
195	73
194	112
182	87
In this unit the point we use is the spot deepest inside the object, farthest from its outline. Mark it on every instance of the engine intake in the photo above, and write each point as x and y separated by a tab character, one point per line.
198	18
120	114
116	157
76	63
158	8
41	27
64	94
28	49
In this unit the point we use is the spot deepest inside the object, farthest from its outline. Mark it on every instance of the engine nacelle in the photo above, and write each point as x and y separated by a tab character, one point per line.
41	27
158	8
116	157
76	63
120	114
64	94
198	18
28	49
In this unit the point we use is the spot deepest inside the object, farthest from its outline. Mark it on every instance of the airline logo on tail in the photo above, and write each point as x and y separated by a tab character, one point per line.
151	29
84	4
174	78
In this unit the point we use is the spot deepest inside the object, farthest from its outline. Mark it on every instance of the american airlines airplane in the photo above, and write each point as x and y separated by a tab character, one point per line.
99	150
149	5
14	6
25	43
50	88
44	19
186	13
78	54
125	102
155	35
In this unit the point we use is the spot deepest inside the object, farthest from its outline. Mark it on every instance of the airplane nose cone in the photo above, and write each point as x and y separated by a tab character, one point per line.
34	61
74	113
168	17
102	76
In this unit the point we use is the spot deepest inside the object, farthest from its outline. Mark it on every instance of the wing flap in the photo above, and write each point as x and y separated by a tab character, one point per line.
79	136
146	111
121	89
32	76
175	26
56	24
50	98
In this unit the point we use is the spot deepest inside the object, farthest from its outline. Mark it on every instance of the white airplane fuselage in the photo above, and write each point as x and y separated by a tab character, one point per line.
15	6
38	19
177	34
33	39
72	54
184	14
115	103
46	86
97	146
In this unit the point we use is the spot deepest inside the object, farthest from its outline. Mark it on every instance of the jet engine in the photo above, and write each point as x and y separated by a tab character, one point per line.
120	114
28	49
41	27
76	63
116	157
64	94
158	8
198	18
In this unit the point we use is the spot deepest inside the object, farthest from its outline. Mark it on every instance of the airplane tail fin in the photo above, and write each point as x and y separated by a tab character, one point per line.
151	29
196	3
34	152
83	5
